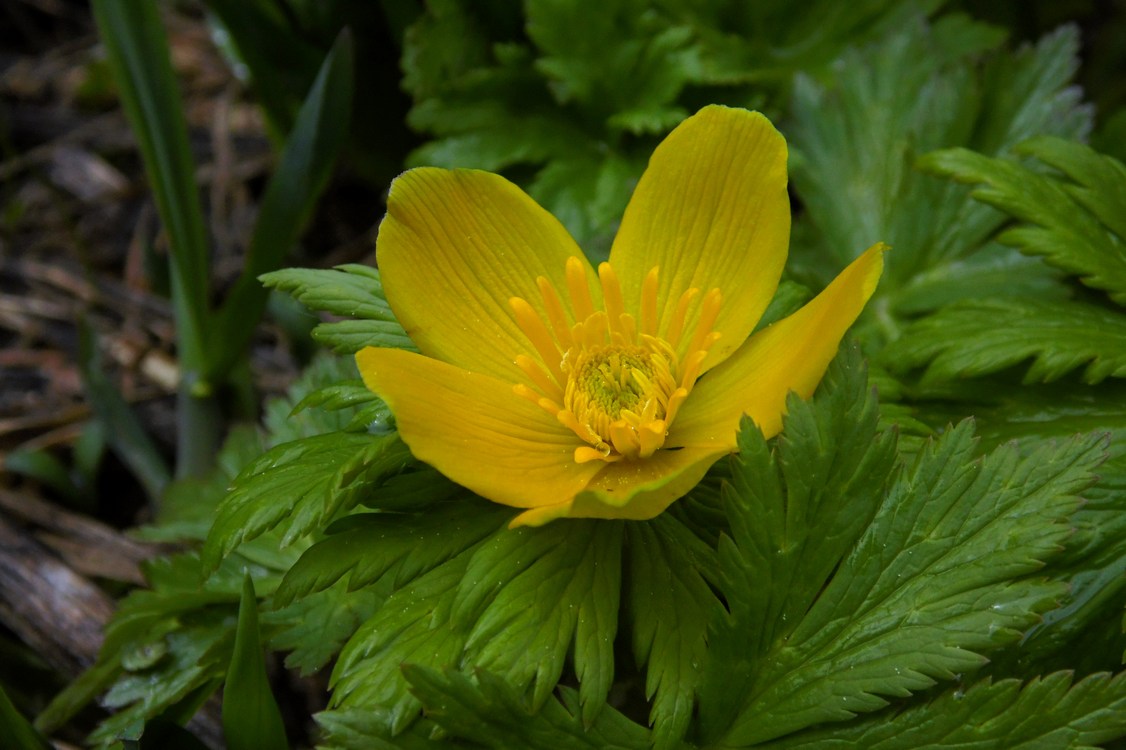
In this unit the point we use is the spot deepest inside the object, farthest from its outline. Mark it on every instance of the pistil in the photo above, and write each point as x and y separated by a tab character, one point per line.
615	384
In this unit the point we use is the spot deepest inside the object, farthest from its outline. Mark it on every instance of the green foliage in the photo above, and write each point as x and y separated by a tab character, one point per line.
304	166
856	139
502	91
1076	220
303	484
968	339
19	732
489	712
1044	713
811	580
669	602
352	290
251	719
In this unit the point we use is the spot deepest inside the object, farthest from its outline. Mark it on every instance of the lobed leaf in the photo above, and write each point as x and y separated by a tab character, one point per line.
302	484
669	602
414	626
975	338
855	142
364	548
1047	712
530	595
801	507
352	291
939	576
1075	226
489	711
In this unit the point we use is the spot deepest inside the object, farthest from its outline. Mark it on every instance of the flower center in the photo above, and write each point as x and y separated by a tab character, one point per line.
616	387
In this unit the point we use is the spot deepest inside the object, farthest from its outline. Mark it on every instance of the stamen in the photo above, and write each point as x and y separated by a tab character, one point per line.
624	438
692	369
610	377
612	298
649	303
651	437
675	400
538	334
585	453
709	311
543	381
546	404
676	324
572	423
555	314
577	287
594	330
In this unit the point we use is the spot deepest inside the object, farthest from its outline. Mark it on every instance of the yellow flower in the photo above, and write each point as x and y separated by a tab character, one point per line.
545	385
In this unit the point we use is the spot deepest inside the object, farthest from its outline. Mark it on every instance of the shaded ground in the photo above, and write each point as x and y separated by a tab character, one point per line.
80	245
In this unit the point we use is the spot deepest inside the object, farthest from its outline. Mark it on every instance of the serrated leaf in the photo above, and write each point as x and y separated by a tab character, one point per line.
669	602
975	338
315	628
251	719
940	576
364	548
304	484
490	711
349	336
855	141
1046	712
801	508
371	729
1075	226
351	291
413	626
529	594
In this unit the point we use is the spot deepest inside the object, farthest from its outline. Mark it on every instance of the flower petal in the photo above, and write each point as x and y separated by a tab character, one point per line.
475	430
455	246
633	490
790	355
711	211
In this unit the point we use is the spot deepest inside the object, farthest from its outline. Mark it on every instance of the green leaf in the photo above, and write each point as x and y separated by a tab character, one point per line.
303	169
669	602
795	510
366	547
353	291
282	61
315	628
18	731
122	427
1046	712
1075	224
975	338
251	719
941	575
529	594
491	712
139	55
371	729
515	603
303	484
855	141
413	626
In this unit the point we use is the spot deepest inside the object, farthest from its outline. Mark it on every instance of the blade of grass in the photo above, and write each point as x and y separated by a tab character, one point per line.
138	53
126	436
303	170
21	735
251	718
